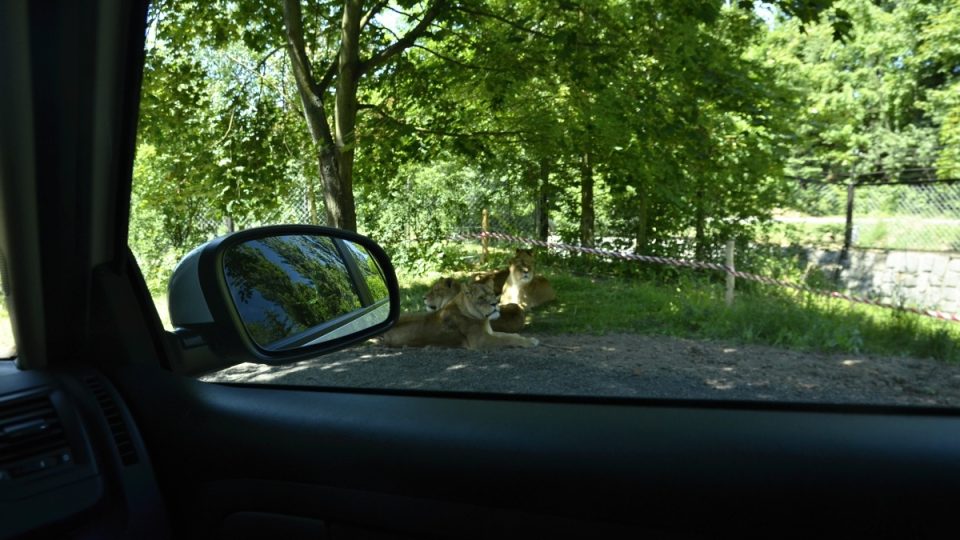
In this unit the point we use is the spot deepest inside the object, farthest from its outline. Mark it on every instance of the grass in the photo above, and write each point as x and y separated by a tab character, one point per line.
690	305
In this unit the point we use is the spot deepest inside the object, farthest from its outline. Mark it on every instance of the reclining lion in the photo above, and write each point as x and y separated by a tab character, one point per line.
463	322
522	287
511	319
497	277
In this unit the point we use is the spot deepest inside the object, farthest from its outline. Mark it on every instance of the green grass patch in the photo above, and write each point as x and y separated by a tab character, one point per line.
692	306
603	298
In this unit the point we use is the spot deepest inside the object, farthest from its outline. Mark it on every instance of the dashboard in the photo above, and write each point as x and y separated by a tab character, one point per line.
72	463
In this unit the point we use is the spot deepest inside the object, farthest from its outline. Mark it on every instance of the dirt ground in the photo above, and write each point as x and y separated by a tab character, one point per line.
630	366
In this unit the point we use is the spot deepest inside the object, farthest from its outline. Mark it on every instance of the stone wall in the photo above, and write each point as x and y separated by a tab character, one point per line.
920	279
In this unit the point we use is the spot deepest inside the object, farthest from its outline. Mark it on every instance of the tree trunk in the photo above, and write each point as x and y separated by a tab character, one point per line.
311	95
335	151
329	172
345	112
586	201
543	212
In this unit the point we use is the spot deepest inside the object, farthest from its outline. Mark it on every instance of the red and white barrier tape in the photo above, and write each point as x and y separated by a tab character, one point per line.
706	266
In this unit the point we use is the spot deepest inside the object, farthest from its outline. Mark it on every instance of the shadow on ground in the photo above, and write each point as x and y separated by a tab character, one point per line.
629	366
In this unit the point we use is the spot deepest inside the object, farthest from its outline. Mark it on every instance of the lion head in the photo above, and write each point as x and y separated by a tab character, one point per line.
521	266
479	301
442	293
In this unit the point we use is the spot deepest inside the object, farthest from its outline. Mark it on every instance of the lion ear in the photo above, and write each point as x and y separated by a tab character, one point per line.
448	282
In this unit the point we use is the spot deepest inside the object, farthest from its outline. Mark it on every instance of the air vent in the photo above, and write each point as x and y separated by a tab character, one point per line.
118	428
32	442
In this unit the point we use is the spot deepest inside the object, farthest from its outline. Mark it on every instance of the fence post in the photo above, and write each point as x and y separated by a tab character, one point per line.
731	280
848	231
484	226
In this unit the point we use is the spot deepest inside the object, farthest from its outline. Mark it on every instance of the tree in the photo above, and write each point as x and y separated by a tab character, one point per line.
873	105
938	54
652	106
336	148
631	119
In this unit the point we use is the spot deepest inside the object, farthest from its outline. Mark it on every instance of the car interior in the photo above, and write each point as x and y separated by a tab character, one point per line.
106	433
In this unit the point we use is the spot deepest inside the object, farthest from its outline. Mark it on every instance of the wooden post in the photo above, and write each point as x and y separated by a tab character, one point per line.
485	227
847	234
731	281
848	231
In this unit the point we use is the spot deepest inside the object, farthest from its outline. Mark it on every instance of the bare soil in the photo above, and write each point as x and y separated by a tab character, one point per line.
627	365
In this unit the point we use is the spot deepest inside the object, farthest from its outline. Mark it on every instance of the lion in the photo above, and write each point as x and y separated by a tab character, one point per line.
497	277
463	322
441	293
512	317
522	287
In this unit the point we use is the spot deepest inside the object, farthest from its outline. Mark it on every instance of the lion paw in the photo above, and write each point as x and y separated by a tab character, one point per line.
534	341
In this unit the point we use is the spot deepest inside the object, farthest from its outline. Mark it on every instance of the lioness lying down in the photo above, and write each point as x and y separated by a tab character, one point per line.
511	319
463	322
497	277
522	287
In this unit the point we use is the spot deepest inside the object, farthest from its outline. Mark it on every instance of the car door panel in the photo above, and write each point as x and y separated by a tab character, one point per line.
643	466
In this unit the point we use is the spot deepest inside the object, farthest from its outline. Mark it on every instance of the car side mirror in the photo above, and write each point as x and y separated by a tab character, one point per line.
283	293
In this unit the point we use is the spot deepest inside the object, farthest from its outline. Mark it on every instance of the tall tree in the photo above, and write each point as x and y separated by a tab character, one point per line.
641	102
336	147
873	104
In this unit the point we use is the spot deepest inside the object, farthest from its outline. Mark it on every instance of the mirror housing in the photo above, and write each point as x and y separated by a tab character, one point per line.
242	297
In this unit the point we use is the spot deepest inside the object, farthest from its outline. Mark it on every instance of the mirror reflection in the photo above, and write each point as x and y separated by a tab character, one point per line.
299	290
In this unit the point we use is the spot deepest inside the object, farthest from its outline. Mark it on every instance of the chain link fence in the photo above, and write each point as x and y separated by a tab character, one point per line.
295	209
889	216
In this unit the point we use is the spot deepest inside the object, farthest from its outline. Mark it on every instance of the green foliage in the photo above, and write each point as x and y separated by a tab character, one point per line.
687	112
880	100
939	53
661	98
414	213
219	139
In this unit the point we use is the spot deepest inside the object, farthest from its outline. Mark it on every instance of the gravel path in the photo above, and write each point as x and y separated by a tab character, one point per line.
631	366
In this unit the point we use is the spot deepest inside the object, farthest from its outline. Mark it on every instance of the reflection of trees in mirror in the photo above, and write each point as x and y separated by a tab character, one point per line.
271	328
285	285
371	271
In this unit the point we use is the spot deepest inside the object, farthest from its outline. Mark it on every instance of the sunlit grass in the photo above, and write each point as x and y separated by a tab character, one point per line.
693	307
